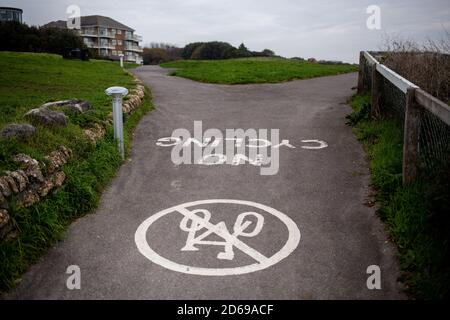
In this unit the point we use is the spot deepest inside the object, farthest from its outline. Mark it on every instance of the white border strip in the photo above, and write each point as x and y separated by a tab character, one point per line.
371	60
433	105
395	78
427	101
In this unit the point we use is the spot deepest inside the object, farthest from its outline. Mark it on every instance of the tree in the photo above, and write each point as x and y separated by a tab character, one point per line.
268	53
242	47
211	51
165	52
220	50
189	49
20	37
155	56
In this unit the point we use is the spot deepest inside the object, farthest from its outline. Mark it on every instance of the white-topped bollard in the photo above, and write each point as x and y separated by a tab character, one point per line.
117	94
121	59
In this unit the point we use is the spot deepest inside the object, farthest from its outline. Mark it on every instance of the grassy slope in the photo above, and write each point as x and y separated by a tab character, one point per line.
416	215
260	70
27	80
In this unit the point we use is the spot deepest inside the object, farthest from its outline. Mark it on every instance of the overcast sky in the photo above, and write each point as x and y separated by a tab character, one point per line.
333	30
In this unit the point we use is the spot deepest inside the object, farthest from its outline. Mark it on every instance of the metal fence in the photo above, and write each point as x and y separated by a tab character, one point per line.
425	119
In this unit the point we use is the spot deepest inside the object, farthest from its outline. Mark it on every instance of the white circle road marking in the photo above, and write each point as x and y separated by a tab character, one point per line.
263	262
321	144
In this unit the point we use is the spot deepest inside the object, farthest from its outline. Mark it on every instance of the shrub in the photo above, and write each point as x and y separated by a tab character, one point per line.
216	50
189	49
20	37
428	65
155	56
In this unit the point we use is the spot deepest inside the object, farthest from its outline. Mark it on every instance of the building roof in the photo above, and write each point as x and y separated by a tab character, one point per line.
56	24
10	8
95	20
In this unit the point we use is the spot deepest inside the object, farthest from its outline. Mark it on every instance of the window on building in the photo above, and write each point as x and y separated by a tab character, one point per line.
16	16
104	42
119	42
114	42
119	52
114	53
6	15
128	34
113	32
119	31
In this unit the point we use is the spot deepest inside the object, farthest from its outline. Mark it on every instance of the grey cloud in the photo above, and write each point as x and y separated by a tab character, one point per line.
323	29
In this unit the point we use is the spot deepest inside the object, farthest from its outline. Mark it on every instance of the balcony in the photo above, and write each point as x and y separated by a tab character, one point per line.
105	34
101	46
107	46
134	48
133	37
88	33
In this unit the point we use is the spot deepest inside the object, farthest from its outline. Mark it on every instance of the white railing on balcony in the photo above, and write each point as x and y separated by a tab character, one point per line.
107	35
134	48
133	37
89	32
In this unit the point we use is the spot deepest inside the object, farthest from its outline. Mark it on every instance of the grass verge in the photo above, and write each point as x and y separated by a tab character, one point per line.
253	70
91	167
416	216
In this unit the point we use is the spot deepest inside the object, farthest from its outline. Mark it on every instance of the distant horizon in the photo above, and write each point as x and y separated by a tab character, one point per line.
290	28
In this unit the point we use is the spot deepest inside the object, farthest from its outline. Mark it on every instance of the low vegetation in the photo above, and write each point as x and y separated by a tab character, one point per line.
158	53
253	70
27	81
217	50
416	215
427	65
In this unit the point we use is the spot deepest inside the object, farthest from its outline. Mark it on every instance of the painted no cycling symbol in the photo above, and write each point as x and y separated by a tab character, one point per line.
197	226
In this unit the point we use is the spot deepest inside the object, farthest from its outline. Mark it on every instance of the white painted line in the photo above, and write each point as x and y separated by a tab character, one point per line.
321	144
263	261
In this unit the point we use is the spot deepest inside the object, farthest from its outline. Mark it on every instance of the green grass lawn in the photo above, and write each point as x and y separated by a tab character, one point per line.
253	70
416	215
130	65
28	80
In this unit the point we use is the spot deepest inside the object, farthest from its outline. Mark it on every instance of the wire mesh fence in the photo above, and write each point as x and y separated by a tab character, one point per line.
434	144
366	73
393	101
433	150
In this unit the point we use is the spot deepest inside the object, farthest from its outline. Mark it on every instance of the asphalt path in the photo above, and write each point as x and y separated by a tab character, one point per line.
316	236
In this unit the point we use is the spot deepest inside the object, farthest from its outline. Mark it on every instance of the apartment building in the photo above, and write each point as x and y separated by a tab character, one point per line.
11	14
108	36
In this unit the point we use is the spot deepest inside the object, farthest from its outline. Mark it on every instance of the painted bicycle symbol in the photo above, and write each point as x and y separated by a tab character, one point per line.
197	223
220	229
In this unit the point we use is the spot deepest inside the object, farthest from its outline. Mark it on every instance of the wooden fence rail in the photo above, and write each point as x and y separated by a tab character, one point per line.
417	100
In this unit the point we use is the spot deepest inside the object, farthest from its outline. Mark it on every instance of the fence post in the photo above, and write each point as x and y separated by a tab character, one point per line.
361	72
376	92
411	137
